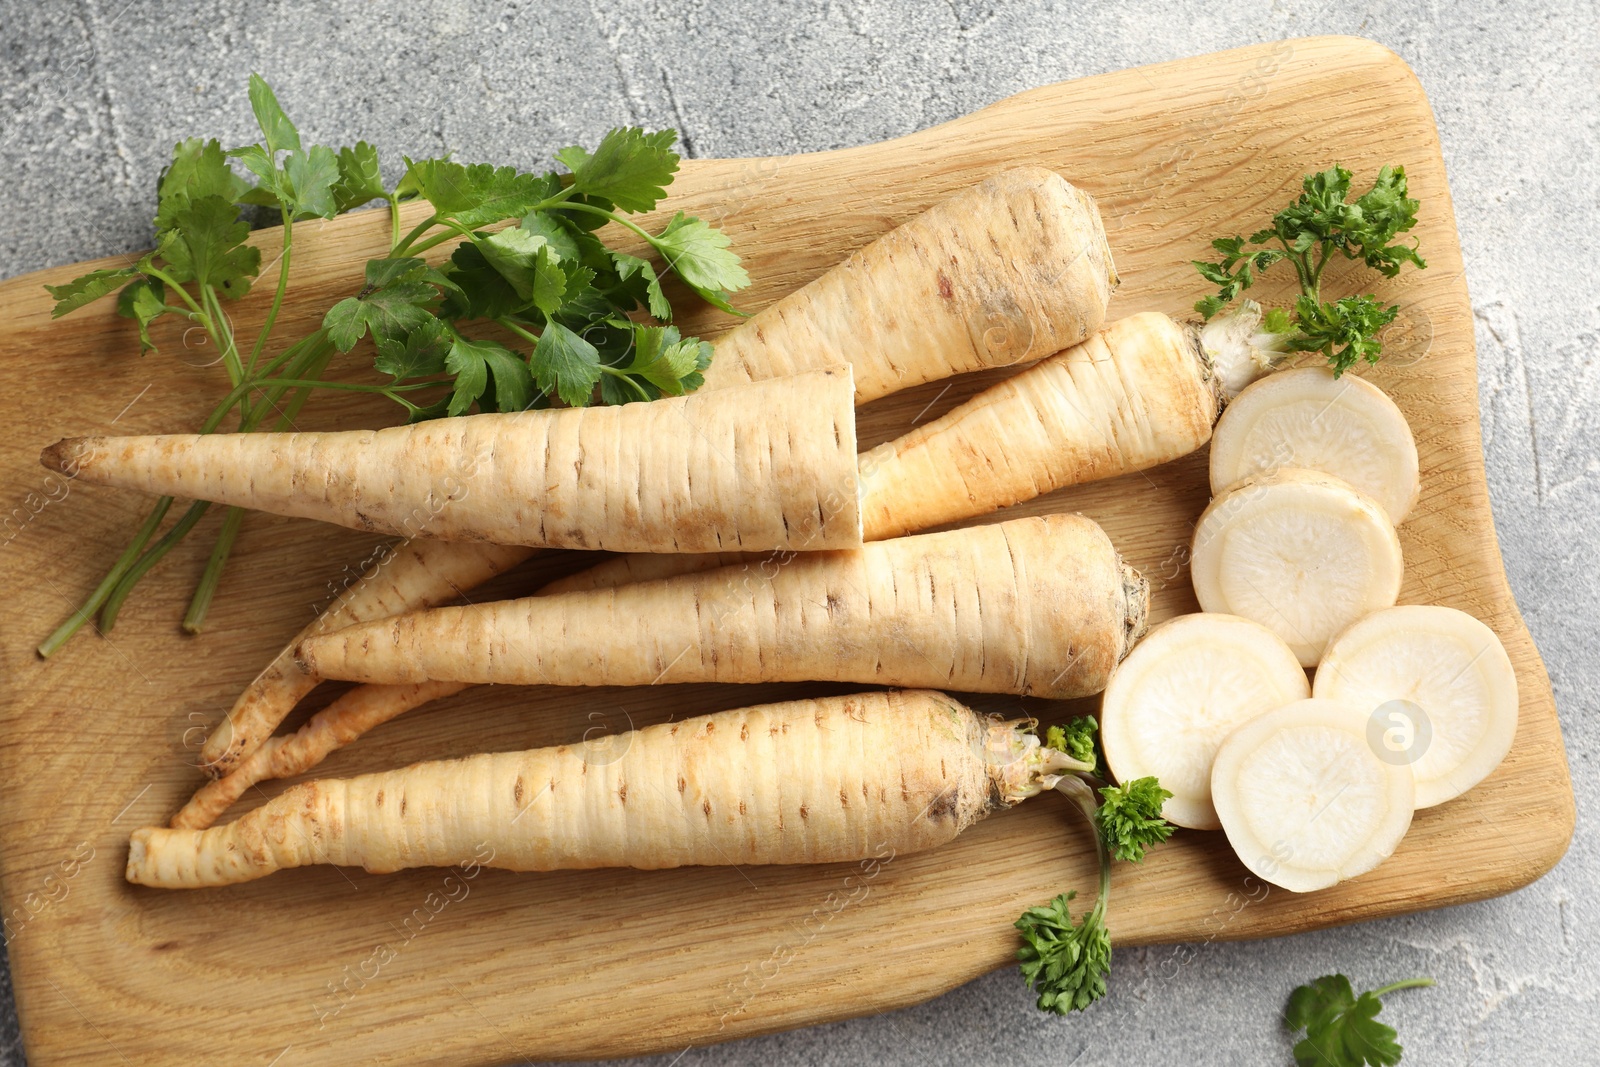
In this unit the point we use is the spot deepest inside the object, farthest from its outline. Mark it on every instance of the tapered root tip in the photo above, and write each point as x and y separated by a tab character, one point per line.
136	857
1136	591
67	454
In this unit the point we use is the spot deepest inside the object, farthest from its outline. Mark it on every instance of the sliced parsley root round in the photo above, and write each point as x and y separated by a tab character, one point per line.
1188	684
1305	800
1442	688
1041	606
767	465
1307	418
1012	269
1300	552
807	781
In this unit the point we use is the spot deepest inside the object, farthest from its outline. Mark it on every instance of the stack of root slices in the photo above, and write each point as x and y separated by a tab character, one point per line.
1296	564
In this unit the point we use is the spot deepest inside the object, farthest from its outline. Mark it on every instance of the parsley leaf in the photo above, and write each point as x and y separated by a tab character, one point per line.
1321	223
665	360
566	365
420	353
630	168
199	168
698	253
1066	961
391	304
276	129
144	301
1130	819
630	268
359	178
203	241
474	363
1342	1029
87	288
480	194
528	265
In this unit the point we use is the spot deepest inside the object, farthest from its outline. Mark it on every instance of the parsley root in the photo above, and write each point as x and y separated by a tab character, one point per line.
807	781
1040	606
1014	268
766	465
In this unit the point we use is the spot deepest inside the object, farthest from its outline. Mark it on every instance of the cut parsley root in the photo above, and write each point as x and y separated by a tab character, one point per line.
766	465
1308	418
1013	269
1188	684
1305	800
807	781
1441	686
1300	552
1040	606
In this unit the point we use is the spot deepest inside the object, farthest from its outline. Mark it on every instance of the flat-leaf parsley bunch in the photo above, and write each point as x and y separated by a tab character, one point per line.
539	312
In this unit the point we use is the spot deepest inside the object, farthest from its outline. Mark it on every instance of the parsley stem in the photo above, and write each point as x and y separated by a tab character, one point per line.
277	297
86	611
1082	796
1409	983
613	216
194	619
394	222
315	359
635	386
151	556
417	231
166	280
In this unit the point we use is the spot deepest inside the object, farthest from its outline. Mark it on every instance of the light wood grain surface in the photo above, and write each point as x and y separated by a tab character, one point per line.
334	966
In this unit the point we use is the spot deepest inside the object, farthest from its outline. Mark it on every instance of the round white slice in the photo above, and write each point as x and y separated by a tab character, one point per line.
1300	552
1439	691
1307	418
1304	799
1184	688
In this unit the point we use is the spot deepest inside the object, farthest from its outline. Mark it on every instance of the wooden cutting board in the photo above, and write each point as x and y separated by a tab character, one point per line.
326	966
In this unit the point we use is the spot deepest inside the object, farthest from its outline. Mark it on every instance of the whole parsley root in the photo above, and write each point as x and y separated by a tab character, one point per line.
1066	961
1321	223
1041	606
865	777
1342	1029
766	465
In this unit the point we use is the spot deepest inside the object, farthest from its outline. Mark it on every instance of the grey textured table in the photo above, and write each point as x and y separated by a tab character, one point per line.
93	93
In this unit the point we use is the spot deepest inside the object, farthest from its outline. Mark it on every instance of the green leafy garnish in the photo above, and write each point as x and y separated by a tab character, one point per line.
1320	223
532	308
1066	961
1130	819
1342	1029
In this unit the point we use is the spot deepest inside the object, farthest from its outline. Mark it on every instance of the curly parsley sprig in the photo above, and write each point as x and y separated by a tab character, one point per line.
1067	961
539	312
1319	225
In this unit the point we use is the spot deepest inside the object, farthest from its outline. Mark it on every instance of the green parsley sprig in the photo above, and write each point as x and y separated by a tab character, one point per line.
538	312
1342	1029
1066	961
1307	234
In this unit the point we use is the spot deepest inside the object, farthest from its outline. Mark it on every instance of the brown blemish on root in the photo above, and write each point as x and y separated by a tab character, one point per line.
682	785
945	805
516	792
379	800
622	792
